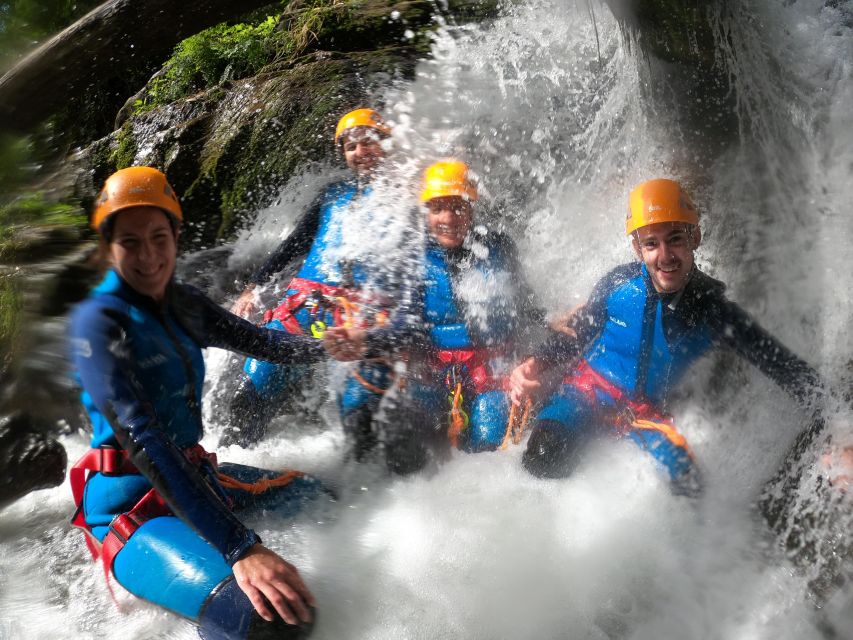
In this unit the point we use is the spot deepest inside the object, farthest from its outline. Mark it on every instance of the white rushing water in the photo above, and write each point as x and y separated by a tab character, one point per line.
545	104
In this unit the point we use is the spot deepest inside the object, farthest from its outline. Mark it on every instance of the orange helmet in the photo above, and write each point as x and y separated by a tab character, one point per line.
656	201
135	187
448	178
361	118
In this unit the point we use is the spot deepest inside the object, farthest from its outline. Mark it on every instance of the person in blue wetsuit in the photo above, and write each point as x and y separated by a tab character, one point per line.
156	507
643	326
459	335
313	300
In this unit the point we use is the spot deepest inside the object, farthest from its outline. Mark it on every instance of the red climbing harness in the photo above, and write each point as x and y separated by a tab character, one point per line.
632	414
345	305
152	505
462	366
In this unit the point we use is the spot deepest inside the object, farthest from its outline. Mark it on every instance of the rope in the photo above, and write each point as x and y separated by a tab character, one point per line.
349	312
367	384
516	425
259	486
458	417
676	438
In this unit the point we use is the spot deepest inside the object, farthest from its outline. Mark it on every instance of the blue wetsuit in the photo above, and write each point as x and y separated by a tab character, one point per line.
463	328
309	306
633	346
142	372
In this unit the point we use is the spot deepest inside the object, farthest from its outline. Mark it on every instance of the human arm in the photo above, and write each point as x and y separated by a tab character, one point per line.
296	244
572	332
736	329
212	326
403	328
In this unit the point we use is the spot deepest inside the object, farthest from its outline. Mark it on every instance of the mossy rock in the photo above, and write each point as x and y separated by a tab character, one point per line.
229	147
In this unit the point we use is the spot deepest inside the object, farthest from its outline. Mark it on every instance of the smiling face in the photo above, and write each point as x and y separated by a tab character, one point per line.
666	248
143	248
449	220
362	149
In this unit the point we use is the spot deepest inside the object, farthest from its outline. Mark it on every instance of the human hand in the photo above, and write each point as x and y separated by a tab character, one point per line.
837	464
562	321
246	304
262	573
523	380
345	344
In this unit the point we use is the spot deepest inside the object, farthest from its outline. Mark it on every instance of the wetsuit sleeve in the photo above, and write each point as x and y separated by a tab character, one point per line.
562	350
736	329
108	373
405	328
405	325
296	244
212	326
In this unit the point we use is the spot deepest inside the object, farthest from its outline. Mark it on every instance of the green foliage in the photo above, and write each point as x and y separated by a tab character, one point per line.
33	210
223	52
11	305
15	156
230	52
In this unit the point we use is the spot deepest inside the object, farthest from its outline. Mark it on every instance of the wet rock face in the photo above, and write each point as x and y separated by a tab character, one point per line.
228	148
29	457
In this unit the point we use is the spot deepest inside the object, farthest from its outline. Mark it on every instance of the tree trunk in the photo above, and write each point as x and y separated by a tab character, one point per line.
101	46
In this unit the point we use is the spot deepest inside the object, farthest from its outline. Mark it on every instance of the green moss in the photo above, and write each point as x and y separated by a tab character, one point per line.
223	52
11	305
125	149
232	52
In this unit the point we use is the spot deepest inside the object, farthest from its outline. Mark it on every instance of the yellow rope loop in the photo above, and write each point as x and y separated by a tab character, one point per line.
262	485
318	329
670	432
458	417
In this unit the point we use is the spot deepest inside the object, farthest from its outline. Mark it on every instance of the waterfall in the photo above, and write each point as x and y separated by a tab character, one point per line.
551	105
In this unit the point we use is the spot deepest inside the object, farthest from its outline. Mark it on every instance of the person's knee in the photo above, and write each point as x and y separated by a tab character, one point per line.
249	415
405	456
228	614
551	453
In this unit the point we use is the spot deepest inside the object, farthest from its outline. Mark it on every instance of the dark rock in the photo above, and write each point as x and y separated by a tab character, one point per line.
29	458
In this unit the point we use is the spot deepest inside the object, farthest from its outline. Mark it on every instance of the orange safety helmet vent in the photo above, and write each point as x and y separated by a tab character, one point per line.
135	187
448	178
656	201
361	118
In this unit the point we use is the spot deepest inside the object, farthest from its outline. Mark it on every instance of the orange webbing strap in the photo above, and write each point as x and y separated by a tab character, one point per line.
458	418
367	384
259	486
668	430
350	311
516	425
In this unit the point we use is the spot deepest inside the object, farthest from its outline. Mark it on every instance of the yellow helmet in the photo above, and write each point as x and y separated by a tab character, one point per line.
448	178
135	187
656	201
361	118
